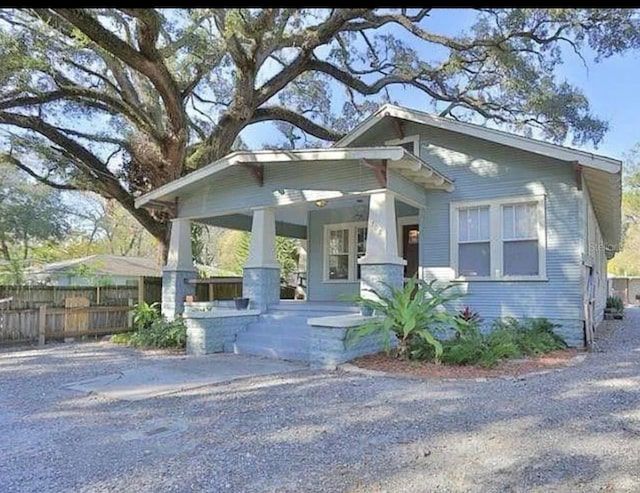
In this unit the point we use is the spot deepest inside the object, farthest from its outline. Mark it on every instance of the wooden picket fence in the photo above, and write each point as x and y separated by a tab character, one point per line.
148	289
37	325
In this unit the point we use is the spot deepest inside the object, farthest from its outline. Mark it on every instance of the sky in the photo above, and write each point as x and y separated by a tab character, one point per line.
611	86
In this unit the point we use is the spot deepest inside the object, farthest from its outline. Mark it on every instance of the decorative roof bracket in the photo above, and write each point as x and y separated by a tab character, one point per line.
380	170
257	170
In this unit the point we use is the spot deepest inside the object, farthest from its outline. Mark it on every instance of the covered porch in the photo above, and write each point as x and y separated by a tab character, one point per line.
349	205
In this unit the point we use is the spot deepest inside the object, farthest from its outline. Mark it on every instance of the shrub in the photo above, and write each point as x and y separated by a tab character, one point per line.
161	333
509	338
145	314
152	330
615	302
412	313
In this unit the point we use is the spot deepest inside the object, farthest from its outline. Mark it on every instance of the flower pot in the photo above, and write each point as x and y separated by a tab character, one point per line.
241	303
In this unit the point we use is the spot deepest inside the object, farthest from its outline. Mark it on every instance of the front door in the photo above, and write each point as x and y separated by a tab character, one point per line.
410	245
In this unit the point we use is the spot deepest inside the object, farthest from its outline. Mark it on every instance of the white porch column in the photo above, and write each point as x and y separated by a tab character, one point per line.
261	274
381	264
179	269
262	251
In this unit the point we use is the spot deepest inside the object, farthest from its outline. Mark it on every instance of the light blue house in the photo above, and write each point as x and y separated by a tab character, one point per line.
525	227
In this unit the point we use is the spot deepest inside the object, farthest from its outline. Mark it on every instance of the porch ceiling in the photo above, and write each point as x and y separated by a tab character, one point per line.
380	158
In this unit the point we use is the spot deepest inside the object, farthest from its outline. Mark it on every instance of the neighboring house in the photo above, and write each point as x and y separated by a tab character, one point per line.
626	287
95	270
523	226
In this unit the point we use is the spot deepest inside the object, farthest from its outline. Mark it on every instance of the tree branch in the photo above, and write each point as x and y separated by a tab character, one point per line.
296	119
8	158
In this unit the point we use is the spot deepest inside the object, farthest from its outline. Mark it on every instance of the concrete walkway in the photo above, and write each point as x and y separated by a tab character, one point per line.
178	374
575	430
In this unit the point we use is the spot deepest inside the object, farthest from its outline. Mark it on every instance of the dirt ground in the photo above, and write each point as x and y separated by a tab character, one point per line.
509	368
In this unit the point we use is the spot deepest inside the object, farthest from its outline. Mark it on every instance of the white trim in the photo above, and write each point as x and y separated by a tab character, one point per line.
496	238
351	253
269	157
415	139
428	177
498	136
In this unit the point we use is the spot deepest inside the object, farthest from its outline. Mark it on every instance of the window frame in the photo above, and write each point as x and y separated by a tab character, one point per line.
496	237
352	250
415	139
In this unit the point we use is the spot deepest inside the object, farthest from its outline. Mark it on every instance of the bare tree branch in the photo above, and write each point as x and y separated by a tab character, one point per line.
296	119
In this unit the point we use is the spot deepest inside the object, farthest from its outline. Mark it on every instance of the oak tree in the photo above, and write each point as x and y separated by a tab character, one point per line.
121	101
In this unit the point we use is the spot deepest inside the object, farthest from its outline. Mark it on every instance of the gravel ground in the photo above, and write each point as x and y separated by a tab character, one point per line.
571	430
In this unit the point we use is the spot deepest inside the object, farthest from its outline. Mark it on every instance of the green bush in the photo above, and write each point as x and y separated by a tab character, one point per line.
413	313
145	314
615	302
509	338
161	333
152	330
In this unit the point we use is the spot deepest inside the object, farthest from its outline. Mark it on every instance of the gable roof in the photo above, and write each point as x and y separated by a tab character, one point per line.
114	265
398	158
602	175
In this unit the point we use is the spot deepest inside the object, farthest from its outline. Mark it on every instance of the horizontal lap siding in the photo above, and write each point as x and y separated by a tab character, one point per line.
595	249
317	289
487	171
406	188
236	189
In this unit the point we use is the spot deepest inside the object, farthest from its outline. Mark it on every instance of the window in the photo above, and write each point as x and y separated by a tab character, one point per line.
411	144
344	245
502	239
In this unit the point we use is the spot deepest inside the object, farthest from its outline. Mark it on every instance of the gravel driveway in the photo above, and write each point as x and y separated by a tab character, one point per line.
572	430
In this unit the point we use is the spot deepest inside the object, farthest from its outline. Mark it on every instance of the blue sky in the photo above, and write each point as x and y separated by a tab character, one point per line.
611	87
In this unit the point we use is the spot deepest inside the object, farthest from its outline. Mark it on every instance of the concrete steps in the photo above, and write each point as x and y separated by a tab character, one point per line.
283	332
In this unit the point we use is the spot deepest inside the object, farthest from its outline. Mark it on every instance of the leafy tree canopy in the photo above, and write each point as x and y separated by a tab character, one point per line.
30	213
627	262
121	101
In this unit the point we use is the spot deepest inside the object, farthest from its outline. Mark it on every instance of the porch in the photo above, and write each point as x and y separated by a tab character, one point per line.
355	208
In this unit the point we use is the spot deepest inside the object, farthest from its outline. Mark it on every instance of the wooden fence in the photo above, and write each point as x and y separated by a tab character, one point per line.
47	323
35	313
149	289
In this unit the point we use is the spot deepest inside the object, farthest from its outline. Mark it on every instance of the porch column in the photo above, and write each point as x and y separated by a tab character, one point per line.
261	275
178	270
381	264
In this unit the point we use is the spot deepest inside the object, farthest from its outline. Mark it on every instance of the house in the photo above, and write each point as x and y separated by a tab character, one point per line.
626	287
95	270
523	226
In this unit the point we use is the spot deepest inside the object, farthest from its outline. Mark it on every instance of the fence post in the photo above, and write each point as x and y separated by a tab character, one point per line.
130	314
42	314
141	290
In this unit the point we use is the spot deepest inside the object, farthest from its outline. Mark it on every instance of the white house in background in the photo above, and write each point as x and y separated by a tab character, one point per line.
524	227
95	270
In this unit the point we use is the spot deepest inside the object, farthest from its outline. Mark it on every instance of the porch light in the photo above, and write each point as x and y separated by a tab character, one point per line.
321	203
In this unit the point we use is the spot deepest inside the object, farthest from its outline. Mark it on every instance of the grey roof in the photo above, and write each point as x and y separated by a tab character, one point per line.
114	265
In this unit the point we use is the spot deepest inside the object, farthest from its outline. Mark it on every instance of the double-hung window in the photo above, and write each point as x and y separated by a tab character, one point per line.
344	244
499	239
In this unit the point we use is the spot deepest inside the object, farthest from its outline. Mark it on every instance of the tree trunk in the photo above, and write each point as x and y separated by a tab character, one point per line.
4	247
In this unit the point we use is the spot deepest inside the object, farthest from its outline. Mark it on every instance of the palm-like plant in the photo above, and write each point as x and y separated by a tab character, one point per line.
412	312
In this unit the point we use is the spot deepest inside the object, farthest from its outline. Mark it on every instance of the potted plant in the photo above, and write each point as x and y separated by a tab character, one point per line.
241	303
